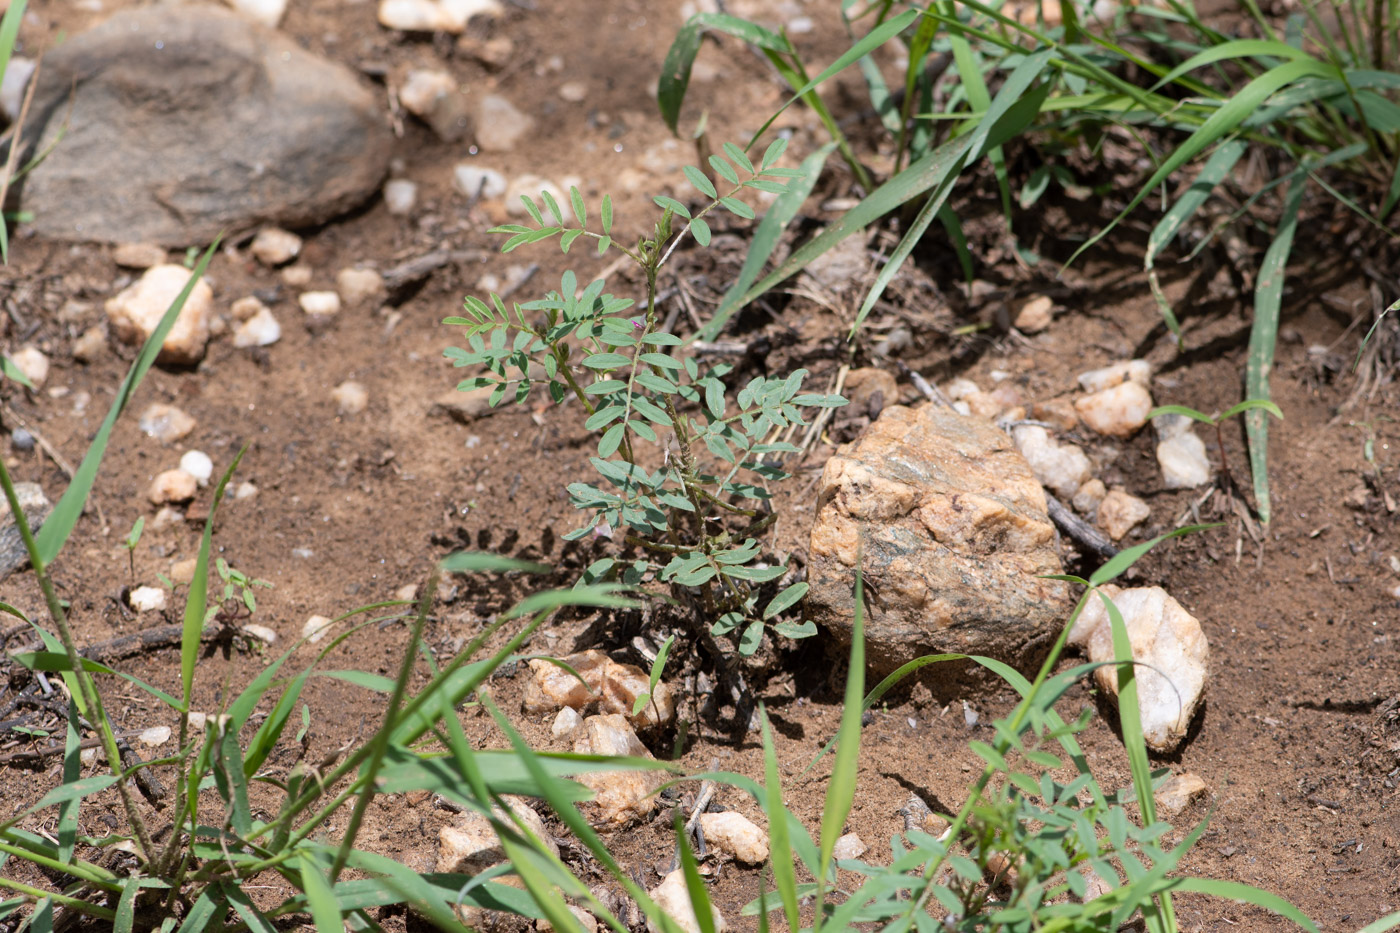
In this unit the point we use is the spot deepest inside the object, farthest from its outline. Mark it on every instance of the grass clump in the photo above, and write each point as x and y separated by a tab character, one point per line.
1311	100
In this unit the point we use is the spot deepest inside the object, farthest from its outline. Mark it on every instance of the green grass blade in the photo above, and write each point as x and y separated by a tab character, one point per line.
1120	562
841	787
869	43
1129	713
8	369
1221	123
1248	894
675	69
196	603
1012	92
1252	404
72	771
953	227
247	912
65	514
780	849
1238	48
694	884
1380	926
1263	336
9	35
325	911
765	239
205	913
1359	350
57	662
1216	170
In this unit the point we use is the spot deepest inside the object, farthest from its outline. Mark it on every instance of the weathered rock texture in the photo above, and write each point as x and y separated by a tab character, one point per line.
188	120
949	526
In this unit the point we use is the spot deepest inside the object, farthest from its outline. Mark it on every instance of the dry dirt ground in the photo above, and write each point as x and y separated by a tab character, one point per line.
1302	617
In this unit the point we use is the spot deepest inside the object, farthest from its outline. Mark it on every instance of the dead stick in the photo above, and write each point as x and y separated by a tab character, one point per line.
1079	530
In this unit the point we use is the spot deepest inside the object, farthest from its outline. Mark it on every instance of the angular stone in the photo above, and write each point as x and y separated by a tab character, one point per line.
619	796
1118	411
260	330
1172	649
1096	380
359	287
138	255
165	423
136	312
951	527
869	390
274	246
1061	468
1088	497
436	98
1035	315
499	125
1183	460
350	397
1176	795
36	507
470	846
673	897
33	363
614	686
735	835
848	846
1119	513
173	486
252	129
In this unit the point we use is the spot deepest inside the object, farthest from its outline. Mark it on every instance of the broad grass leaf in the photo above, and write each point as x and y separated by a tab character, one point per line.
841	786
320	899
675	69
1248	894
784	871
1263	336
1120	562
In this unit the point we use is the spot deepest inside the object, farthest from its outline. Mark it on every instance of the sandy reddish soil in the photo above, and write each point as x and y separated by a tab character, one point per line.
1302	618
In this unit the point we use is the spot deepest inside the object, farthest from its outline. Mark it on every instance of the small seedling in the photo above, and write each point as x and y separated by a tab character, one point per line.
129	542
1216	421
237	601
657	667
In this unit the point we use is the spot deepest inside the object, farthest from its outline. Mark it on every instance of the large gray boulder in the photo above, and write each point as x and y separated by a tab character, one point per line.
188	120
949	527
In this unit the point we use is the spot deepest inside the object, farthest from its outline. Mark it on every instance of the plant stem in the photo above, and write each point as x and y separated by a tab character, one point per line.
91	698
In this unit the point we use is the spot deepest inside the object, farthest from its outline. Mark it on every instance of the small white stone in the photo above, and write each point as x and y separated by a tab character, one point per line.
172	486
154	736
1183	461
530	186
1176	795
573	91
499	125
260	330
848	846
736	835
1062	468
1087	497
197	721
138	255
400	195
262	633
246	307
267	12
1120	513
673	897
1035	315
1096	380
422	88
182	572
88	756
414	16
1172	649
147	599
470	179
565	723
33	363
359	287
245	490
319	303
165	517
197	464
408	592
12	86
297	275
350	397
165	423
314	629
90	345
274	246
1117	411
137	310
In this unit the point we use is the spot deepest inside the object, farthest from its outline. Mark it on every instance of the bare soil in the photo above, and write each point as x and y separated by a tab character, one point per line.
1301	615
